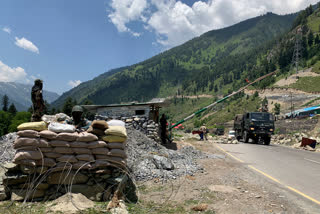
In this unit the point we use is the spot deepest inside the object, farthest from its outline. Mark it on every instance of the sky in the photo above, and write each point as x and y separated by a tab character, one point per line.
66	42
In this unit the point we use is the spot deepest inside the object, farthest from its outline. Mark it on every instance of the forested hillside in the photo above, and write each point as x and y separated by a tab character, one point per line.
216	62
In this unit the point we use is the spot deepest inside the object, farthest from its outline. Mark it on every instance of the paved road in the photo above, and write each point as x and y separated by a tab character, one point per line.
297	169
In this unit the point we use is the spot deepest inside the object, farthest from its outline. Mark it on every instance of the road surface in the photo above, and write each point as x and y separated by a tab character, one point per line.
297	170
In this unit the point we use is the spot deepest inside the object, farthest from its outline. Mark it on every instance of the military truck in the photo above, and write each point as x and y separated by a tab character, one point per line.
258	126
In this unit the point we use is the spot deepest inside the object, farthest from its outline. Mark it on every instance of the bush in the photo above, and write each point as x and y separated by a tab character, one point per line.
19	118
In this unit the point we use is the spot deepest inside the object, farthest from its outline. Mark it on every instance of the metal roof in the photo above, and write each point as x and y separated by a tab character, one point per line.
158	102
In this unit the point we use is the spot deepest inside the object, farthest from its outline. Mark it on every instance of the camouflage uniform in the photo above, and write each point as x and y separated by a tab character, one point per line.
37	101
77	120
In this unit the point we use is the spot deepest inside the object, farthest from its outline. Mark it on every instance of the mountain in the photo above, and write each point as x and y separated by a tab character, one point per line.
20	94
215	62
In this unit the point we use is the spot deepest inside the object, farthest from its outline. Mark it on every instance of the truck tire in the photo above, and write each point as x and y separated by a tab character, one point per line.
267	140
245	137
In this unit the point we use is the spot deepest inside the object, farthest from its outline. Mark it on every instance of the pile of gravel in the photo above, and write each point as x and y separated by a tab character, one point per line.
148	159
6	147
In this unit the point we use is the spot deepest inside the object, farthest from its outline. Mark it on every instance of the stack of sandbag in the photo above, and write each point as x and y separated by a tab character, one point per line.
115	137
98	127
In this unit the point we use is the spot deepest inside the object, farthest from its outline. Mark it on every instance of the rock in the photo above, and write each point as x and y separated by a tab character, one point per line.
235	142
21	194
162	162
70	203
309	148
121	209
3	196
129	120
13	180
42	186
67	178
296	146
10	166
27	169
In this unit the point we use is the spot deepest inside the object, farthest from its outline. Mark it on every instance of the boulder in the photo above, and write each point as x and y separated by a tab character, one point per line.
162	162
89	191
21	194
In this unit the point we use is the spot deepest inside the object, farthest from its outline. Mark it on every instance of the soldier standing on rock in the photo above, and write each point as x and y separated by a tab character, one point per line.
37	101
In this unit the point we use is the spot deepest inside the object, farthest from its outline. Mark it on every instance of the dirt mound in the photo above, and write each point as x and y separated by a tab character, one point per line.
70	203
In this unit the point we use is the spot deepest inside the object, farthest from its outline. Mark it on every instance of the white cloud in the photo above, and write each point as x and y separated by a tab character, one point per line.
8	74
26	44
74	83
175	22
125	11
7	30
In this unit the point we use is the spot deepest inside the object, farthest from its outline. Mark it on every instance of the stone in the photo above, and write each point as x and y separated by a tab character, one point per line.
41	170
120	209
21	194
67	178
3	196
42	186
10	166
162	162
13	180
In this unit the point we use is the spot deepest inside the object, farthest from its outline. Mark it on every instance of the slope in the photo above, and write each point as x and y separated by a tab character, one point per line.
201	64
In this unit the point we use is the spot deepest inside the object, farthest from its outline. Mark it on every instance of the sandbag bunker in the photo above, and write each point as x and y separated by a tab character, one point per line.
52	161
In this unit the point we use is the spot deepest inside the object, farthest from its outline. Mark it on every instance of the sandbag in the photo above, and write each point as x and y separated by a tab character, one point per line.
62	117
117	153
63	150
28	148
61	166
111	159
86	137
28	133
96	144
59	127
43	149
67	136
52	154
116	131
48	118
85	157
100	163
116	123
77	144
99	124
82	165
116	145
46	162
59	143
25	162
36	126
81	151
67	158
95	131
23	141
100	151
114	139
42	143
50	135
28	155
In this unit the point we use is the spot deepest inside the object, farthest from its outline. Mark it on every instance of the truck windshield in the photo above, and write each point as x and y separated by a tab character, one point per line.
261	117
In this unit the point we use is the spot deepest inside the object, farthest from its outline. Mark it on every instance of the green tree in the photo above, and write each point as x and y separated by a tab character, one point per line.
276	108
310	39
317	40
19	118
68	105
5	118
12	109
5	102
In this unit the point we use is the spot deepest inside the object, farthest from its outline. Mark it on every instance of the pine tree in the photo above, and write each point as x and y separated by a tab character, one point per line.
12	109
5	103
68	105
317	40
310	39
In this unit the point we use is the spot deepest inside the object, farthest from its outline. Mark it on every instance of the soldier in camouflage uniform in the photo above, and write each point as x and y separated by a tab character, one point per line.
77	119
37	101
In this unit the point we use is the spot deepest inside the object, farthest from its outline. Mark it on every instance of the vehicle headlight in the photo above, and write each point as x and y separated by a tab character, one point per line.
271	130
252	128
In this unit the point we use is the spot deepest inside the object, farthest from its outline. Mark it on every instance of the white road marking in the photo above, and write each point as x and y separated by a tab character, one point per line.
312	161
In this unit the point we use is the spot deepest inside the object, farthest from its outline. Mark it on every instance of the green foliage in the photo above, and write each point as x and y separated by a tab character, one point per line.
19	118
307	84
12	109
68	105
5	118
5	102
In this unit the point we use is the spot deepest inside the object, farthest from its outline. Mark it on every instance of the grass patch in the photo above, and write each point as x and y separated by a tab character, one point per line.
307	84
310	102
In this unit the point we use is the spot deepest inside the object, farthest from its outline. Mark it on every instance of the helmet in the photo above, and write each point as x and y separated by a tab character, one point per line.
77	108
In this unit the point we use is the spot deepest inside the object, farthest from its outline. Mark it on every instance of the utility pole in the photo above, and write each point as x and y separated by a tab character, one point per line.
297	50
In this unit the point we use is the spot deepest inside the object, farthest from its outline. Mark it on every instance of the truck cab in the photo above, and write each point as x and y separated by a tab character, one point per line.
254	125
